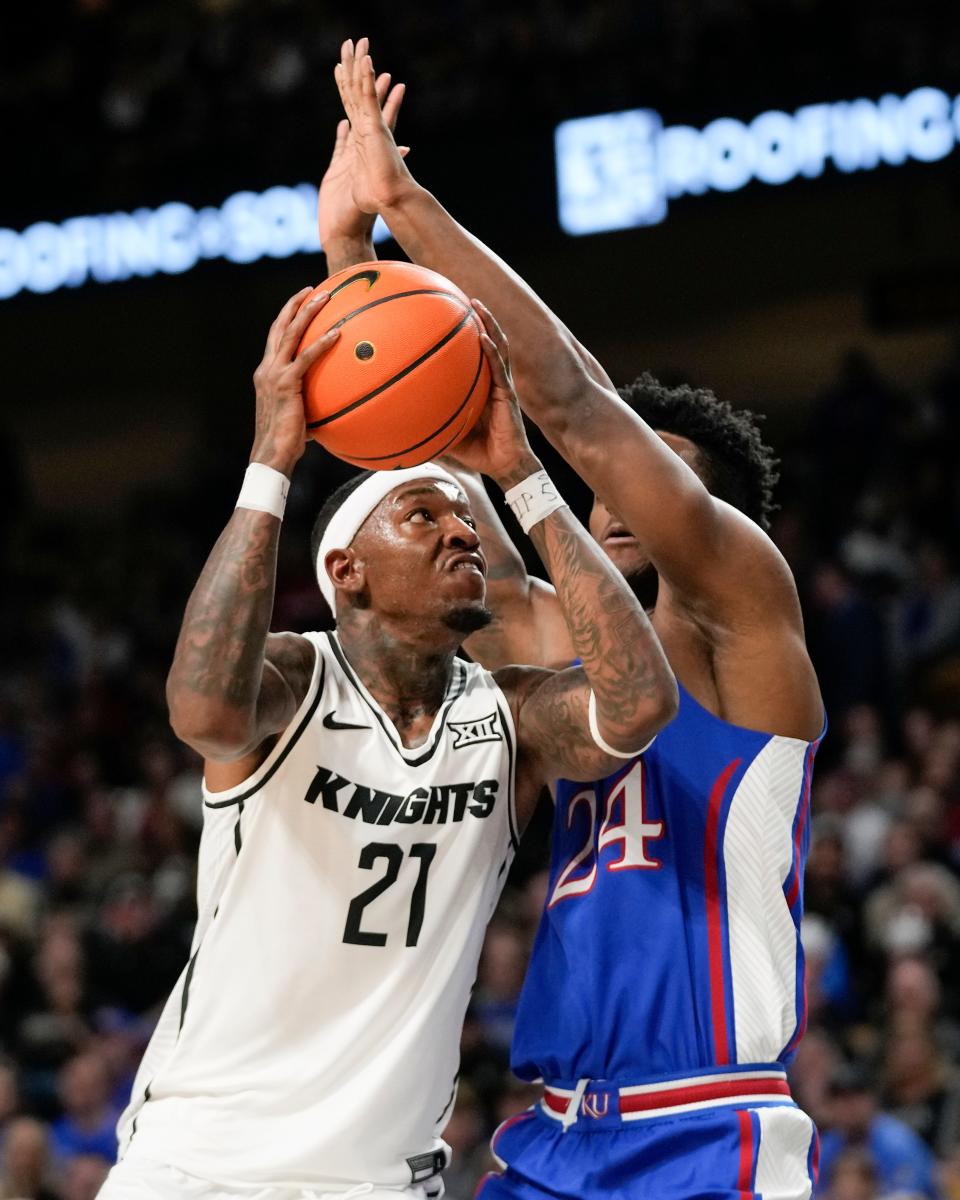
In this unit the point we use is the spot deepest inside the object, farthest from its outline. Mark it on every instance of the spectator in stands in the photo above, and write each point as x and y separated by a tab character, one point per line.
55	1028
9	1095
810	1074
922	1087
830	997
900	1159
852	1177
120	1040
926	617
499	980
19	896
135	956
847	641
918	911
26	1169
88	1124
913	991
466	1135
67	867
828	892
84	1176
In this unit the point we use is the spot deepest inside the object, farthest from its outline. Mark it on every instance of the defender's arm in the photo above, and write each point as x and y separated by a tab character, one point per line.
579	722
696	542
718	564
705	550
721	567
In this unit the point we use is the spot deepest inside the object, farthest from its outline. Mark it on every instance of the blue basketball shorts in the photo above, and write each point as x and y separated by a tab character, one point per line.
767	1151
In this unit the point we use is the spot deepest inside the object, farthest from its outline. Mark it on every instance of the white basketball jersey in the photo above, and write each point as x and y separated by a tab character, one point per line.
343	893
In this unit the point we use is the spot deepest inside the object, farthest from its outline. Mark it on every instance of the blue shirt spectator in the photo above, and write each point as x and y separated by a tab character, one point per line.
901	1160
88	1124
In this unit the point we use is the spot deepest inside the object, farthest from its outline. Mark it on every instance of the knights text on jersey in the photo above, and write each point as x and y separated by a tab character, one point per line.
669	943
343	893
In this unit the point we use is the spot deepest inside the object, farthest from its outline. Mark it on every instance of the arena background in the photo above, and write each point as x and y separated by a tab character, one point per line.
830	304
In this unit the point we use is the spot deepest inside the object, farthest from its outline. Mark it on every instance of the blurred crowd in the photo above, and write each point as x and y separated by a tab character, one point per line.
100	806
192	86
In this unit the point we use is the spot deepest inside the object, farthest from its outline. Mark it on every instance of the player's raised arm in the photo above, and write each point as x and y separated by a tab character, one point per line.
565	391
547	359
346	231
718	563
232	684
580	722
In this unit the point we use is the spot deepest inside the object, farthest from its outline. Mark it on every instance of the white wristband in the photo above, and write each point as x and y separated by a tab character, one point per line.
598	737
264	489
533	499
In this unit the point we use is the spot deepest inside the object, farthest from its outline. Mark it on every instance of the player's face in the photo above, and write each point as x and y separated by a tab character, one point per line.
423	556
619	542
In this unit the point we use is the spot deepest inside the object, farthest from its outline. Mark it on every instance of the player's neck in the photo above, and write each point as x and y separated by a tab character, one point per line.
406	670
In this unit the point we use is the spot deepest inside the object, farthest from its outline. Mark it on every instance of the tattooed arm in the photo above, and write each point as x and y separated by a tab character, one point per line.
725	579
623	663
232	685
528	625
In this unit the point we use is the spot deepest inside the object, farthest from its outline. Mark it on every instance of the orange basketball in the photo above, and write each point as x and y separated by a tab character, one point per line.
407	378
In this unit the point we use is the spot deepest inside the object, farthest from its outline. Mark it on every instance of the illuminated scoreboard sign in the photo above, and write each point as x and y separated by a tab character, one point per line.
620	170
170	239
615	171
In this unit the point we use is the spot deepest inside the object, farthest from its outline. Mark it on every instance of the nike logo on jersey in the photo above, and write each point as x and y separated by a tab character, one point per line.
439	805
469	733
330	723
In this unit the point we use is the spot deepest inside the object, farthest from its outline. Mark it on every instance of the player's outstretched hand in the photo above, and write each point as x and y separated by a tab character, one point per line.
339	217
497	445
281	429
378	171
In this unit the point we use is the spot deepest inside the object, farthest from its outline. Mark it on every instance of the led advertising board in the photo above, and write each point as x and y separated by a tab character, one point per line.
620	170
170	239
614	171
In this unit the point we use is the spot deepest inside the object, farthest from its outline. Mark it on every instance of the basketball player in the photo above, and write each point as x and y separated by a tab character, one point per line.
665	994
363	793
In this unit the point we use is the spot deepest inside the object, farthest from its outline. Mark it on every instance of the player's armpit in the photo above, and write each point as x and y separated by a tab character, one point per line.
551	710
284	681
288	668
284	678
294	657
275	709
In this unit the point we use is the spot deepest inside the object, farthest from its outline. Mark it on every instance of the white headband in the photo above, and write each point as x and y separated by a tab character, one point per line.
357	507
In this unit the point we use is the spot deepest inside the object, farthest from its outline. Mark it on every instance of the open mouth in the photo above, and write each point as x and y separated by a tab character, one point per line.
467	562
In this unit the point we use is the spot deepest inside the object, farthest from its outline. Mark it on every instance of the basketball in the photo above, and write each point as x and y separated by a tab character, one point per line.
407	379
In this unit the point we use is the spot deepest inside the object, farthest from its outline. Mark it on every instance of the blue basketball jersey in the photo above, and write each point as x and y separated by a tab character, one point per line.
669	942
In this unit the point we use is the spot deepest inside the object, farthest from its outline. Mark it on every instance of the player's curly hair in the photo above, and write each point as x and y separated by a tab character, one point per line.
329	508
741	467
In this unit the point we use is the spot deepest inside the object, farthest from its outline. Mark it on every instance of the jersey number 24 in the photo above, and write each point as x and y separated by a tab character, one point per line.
622	825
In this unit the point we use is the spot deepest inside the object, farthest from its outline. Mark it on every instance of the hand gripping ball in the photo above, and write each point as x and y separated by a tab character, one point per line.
407	378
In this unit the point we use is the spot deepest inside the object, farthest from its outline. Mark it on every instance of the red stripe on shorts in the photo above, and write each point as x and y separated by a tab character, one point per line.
745	1176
